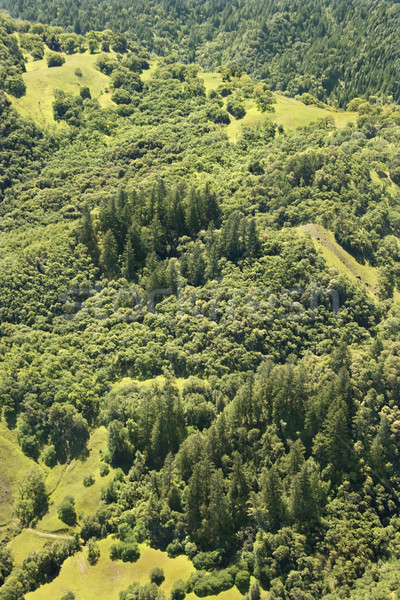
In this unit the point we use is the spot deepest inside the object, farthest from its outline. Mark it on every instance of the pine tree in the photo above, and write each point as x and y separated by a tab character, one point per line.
219	519
193	218
238	493
253	245
109	255
272	493
89	237
128	269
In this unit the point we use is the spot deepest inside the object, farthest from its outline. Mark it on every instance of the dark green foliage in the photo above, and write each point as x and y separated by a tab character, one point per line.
93	552
242	581
88	480
330	50
66	511
157	575
6	564
150	248
178	591
55	60
236	109
85	92
150	591
125	551
32	501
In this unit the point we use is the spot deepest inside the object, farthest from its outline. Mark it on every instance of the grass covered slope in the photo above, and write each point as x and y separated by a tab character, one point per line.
42	81
107	578
67	480
244	428
288	112
337	257
13	466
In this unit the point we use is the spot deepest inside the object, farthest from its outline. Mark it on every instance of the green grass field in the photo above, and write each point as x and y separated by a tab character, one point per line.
335	256
13	466
41	82
105	580
26	542
66	480
289	112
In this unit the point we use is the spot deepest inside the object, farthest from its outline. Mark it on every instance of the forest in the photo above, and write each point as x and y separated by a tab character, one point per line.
213	287
334	49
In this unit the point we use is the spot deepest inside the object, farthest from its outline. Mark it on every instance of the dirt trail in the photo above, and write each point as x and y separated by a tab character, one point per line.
49	535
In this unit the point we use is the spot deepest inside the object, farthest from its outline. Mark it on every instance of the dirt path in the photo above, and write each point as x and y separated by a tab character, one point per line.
49	535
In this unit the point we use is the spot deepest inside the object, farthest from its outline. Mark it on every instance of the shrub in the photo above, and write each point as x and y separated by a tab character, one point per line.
174	549
242	581
207	561
68	596
236	109
127	552
104	469
49	456
217	582
121	96
66	511
157	575
55	60
88	480
178	591
85	92
93	552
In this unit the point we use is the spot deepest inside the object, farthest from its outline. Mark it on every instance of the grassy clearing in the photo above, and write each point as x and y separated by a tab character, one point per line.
159	380
211	80
105	580
386	183
25	543
289	112
13	466
41	82
337	257
292	113
148	74
66	480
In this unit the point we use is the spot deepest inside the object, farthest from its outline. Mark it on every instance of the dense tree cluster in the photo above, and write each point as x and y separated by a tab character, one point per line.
334	50
149	245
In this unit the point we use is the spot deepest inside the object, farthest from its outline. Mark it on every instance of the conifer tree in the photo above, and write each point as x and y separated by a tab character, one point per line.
272	493
128	269
109	255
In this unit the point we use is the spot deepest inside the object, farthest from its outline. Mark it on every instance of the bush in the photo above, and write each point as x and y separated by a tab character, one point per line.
157	575
174	549
88	480
55	60
178	591
127	552
66	511
207	561
236	109
32	501
93	552
16	86
217	582
242	581
49	456
68	596
85	92
104	469
121	96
